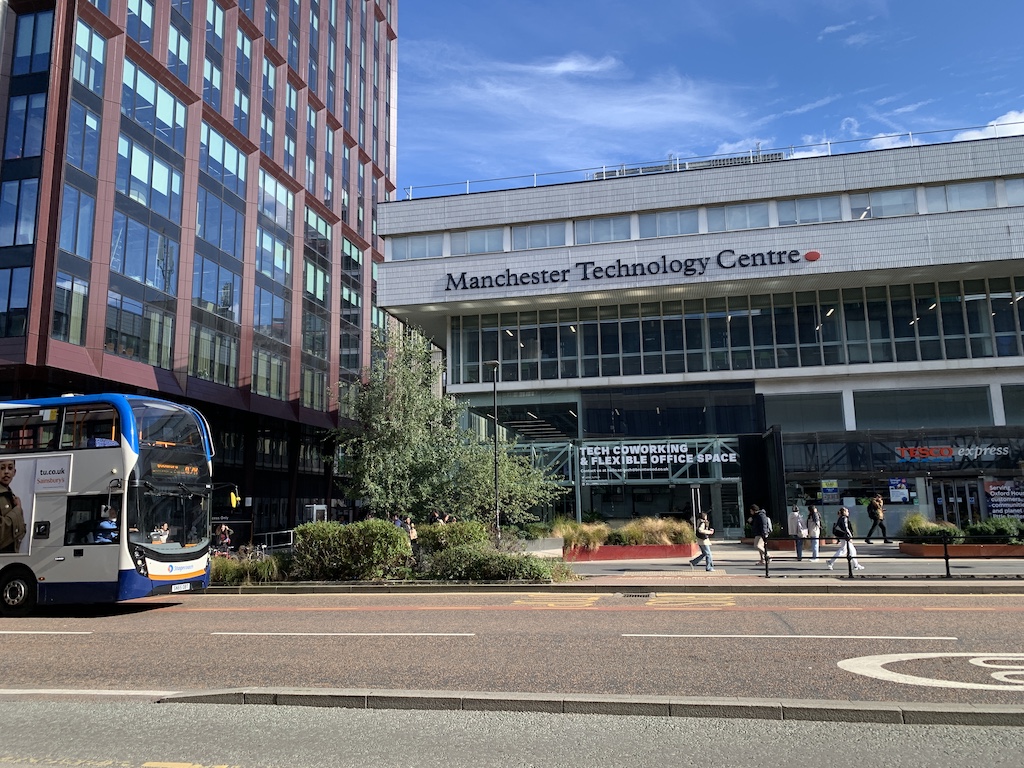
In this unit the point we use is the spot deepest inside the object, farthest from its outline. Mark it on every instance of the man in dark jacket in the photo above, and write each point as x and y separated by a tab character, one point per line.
760	529
876	512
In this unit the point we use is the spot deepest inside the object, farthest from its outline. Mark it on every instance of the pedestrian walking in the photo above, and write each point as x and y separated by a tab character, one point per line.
798	530
814	530
844	532
876	511
704	533
760	529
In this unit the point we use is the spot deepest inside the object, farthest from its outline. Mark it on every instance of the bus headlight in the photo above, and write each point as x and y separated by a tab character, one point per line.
140	562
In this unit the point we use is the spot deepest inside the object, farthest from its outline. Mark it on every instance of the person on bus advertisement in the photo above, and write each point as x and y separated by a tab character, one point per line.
12	517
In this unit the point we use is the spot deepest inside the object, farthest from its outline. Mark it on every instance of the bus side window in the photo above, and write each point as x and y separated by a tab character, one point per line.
84	515
29	429
90	426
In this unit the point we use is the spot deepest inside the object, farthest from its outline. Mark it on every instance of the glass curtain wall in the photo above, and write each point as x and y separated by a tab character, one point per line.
951	320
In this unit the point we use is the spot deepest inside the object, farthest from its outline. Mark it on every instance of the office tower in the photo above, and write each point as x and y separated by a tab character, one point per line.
189	193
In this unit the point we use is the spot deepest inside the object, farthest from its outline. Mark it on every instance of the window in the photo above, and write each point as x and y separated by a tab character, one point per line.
725	218
809	210
153	107
272	315
967	407
213	356
416	247
269	81
223	161
216	289
148	180
31	429
77	213
1015	191
215	26
32	44
211	83
273	256
13	301
538	236
267	134
269	374
138	331
18	212
668	223
883	202
152	258
961	197
316	282
602	230
243	61
289	155
241	116
177	53
219	223
70	309
83	138
270	22
89	58
314	389
276	201
90	426
25	117
477	241
139	25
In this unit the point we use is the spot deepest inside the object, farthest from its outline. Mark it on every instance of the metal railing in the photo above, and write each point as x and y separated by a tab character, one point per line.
676	164
944	539
275	541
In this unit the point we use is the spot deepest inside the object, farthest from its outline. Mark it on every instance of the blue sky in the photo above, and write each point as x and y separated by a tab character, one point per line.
501	88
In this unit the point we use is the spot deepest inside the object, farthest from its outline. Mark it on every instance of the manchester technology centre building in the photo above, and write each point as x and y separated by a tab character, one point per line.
763	330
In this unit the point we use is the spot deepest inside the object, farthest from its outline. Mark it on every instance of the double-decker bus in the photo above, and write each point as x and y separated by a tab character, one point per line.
102	498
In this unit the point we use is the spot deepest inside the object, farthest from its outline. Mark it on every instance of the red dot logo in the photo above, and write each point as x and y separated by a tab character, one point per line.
812	256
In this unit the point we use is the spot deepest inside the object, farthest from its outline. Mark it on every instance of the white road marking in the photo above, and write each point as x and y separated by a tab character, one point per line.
874	666
349	634
803	637
39	632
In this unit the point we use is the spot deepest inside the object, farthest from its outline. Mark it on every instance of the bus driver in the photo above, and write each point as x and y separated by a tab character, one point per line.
12	518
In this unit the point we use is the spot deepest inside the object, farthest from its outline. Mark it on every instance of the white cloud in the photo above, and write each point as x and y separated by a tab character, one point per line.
1010	124
833	29
888	141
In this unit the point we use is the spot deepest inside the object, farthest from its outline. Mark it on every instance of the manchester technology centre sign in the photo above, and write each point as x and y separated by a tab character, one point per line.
589	271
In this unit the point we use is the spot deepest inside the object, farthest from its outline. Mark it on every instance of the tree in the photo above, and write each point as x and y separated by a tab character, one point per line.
406	453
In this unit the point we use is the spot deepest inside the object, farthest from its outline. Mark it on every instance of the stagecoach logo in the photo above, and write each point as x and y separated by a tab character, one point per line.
53	475
590	271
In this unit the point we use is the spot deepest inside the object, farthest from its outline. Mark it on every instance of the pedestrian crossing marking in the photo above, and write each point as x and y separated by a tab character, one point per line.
687	601
558	601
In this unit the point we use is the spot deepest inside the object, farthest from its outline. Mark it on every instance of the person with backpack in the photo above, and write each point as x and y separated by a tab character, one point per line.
876	512
704	532
842	530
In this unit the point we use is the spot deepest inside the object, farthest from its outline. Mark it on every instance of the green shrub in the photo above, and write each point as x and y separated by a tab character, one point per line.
475	562
995	530
435	538
368	550
919	530
562	571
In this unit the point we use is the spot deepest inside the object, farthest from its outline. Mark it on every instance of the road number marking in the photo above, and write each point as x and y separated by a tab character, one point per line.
1010	668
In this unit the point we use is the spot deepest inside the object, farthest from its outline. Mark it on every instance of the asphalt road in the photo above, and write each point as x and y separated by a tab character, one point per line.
126	735
765	646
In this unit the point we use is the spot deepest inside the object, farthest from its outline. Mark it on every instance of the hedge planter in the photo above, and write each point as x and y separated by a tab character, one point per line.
963	550
629	552
787	545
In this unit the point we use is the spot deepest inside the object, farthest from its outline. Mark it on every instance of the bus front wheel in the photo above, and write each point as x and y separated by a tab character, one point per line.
17	592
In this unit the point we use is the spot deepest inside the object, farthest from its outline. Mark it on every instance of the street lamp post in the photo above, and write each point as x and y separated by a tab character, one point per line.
493	365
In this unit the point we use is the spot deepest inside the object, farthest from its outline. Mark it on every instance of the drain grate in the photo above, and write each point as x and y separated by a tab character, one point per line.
643	595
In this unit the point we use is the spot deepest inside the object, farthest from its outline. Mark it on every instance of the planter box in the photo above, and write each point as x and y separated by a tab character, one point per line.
963	550
632	552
